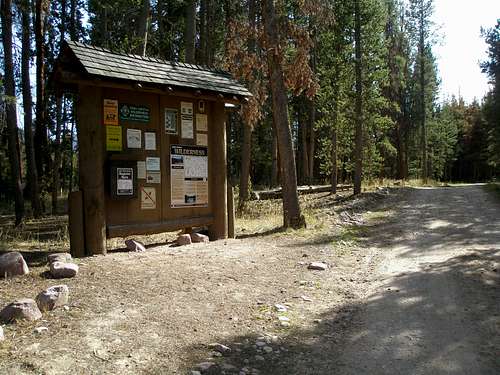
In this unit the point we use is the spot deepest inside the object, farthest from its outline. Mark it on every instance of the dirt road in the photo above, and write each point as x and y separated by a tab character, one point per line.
435	304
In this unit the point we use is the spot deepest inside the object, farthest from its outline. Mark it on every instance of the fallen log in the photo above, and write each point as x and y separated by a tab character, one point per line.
309	189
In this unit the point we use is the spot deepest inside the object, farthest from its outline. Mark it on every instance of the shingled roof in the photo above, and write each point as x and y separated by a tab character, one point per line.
103	63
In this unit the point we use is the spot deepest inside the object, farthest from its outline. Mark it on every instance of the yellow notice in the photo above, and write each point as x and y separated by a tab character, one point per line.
113	138
110	112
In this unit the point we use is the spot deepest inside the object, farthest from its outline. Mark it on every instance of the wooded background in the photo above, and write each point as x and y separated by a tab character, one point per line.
343	91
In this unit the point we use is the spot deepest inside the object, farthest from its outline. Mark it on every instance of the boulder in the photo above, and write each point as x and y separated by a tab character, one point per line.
12	264
198	237
60	270
25	308
134	245
184	239
59	257
320	266
53	297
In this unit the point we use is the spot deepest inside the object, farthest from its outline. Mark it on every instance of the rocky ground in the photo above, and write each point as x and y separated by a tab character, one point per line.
244	306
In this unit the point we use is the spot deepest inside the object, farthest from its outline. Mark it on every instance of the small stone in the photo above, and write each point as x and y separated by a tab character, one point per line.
60	270
280	308
204	366
306	298
220	348
320	266
302	282
267	349
283	319
183	239
285	324
134	245
2	337
317	321
13	264
246	361
59	257
260	344
53	297
40	330
24	308
194	372
66	308
259	358
198	237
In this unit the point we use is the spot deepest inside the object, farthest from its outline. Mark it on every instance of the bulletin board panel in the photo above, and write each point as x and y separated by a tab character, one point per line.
148	124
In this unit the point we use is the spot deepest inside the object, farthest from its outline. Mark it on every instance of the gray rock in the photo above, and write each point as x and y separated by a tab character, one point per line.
259	358
53	297
2	337
183	239
198	237
220	348
280	307
267	349
320	266
40	330
260	344
12	264
205	366
24	308
59	257
60	270
194	372
136	246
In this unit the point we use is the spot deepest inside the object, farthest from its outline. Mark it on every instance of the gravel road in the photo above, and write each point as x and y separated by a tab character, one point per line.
434	304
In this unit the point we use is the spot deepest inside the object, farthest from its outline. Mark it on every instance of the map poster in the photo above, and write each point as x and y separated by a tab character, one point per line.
110	112
113	138
189	176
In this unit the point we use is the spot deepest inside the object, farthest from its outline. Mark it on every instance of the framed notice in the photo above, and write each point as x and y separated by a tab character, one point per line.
202	139
201	122
153	164
124	181
110	112
189	176
150	141
170	121
141	169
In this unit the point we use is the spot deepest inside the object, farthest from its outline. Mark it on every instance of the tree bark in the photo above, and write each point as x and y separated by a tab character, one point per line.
11	113
292	216
143	27
334	156
28	110
190	33
358	137
246	152
421	48
41	145
274	162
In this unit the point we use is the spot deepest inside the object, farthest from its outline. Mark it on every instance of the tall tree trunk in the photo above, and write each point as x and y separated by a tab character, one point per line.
274	161
28	110
292	216
202	50
312	141
72	20
41	145
10	92
190	33
246	152
334	156
358	136
143	27
303	149
421	47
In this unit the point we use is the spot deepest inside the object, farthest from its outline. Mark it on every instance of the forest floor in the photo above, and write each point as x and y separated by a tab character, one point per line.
411	288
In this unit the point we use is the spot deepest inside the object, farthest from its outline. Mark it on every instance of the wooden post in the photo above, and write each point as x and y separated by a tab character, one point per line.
91	167
230	211
76	232
217	170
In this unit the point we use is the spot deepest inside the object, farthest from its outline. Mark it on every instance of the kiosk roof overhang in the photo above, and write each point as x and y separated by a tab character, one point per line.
98	63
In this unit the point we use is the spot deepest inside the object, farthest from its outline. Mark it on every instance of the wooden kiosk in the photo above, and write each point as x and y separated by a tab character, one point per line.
152	145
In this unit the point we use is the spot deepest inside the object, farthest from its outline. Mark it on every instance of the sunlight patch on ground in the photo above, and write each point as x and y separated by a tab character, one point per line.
435	224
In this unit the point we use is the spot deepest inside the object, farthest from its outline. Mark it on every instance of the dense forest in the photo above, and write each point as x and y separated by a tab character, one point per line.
343	91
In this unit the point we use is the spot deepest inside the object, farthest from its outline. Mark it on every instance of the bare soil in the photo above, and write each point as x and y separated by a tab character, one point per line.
158	312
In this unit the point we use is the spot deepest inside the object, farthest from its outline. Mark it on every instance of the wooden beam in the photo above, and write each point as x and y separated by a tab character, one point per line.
124	230
91	167
217	169
230	211
76	226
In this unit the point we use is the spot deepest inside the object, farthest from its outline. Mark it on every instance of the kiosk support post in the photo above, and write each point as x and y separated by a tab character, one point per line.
217	163
91	167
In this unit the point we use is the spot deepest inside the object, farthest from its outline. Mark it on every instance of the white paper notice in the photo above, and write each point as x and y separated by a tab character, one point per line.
153	177
133	138
141	170
201	122
152	164
187	131
149	141
201	139
148	198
